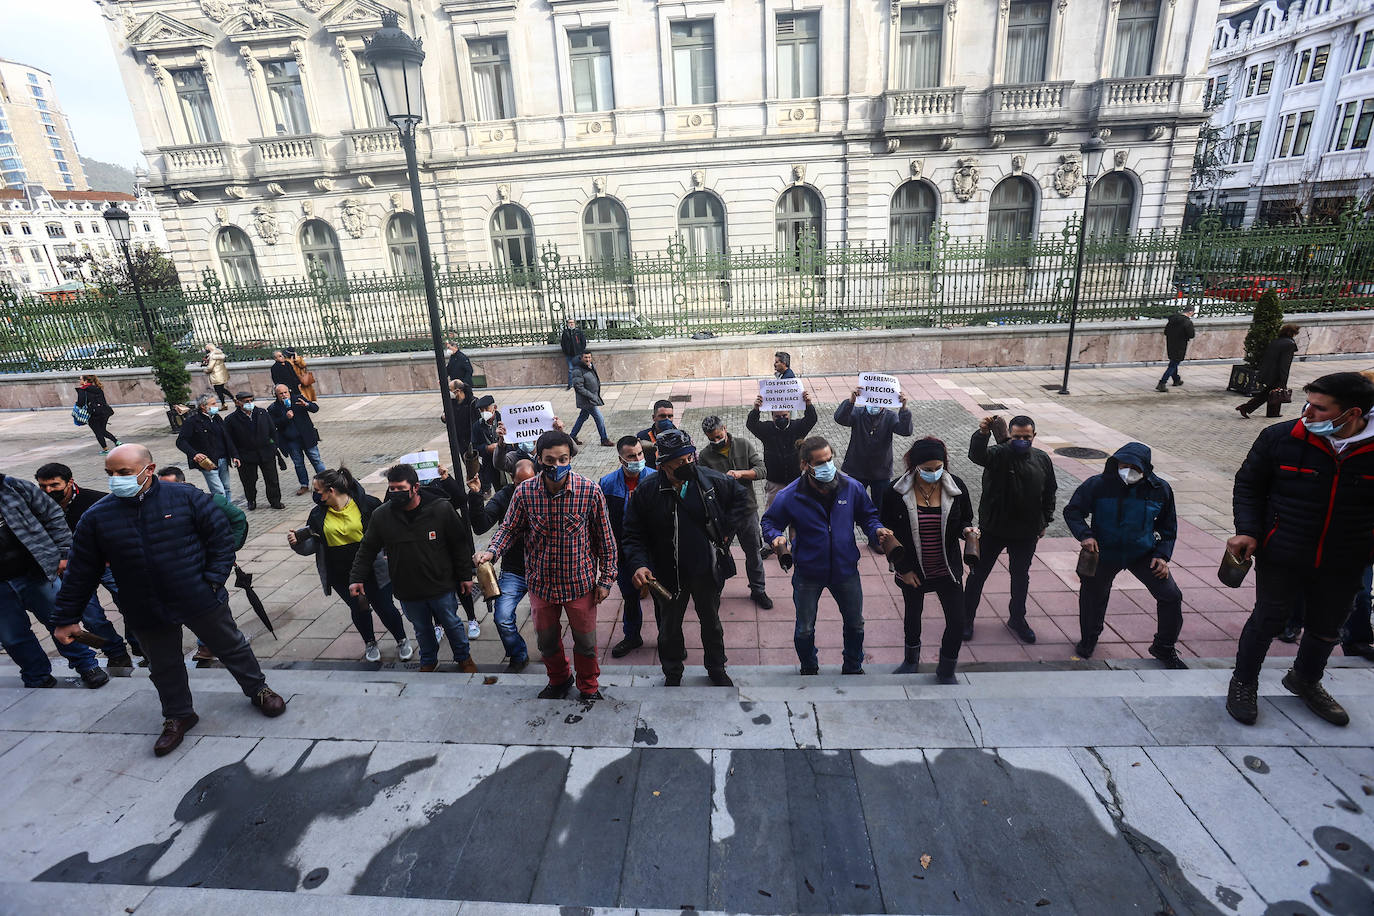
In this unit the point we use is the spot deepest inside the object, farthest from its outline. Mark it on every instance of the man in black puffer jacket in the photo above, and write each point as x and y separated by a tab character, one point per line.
1304	508
170	550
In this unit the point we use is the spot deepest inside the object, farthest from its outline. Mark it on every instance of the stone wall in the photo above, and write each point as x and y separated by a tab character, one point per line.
1028	346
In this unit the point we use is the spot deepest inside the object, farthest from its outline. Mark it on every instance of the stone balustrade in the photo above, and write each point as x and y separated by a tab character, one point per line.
288	155
372	146
204	161
1029	103
1138	97
938	107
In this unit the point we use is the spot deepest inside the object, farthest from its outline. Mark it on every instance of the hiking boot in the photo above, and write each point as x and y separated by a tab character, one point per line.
1084	647
94	678
1178	381
810	669
1161	387
672	680
908	665
173	730
762	600
1169	656
626	646
269	702
1242	701
468	666
586	697
719	678
858	670
557	691
119	661
1022	630
516	665
1317	699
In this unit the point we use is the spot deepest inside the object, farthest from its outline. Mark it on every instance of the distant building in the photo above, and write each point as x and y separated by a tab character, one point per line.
36	141
1293	85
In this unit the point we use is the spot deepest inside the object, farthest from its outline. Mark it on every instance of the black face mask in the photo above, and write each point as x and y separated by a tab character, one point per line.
315	495
57	496
399	497
782	424
686	472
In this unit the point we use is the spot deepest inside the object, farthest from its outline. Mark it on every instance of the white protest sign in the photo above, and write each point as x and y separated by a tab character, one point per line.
527	422
426	464
877	391
781	394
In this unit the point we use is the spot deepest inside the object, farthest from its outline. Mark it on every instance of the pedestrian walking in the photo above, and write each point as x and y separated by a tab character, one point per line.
206	443
929	512
782	365
1178	331
664	418
780	435
253	434
868	459
1303	511
332	534
573	343
587	386
618	486
217	373
1273	374
429	558
296	432
678	526
570	561
34	545
90	396
738	460
485	515
283	373
170	550
304	376
459	367
1125	518
1014	509
822	506
56	480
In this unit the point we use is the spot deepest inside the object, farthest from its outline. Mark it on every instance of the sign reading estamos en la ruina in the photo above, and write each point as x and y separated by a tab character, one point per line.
527	422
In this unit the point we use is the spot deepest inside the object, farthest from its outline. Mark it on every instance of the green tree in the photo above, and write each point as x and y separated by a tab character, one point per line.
1264	327
169	369
152	266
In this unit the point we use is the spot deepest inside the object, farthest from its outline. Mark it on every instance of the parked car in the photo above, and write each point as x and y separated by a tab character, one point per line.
1246	289
1358	294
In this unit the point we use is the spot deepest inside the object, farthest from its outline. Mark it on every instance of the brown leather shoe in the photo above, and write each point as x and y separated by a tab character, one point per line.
269	702
173	730
302	491
467	666
428	668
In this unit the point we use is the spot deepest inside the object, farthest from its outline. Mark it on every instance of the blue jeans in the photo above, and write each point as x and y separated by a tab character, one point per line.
1171	371
298	456
595	414
573	363
95	621
217	481
513	589
633	618
34	594
849	595
425	615
1358	626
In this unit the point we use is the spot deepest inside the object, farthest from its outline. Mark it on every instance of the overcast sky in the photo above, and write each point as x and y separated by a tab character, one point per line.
67	38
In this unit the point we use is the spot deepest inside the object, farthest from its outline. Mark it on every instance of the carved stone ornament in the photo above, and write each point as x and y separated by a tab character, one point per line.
203	58
951	7
894	144
215	10
1069	175
259	16
395	200
160	74
966	178
1119	159
917	167
366	181
503	193
186	197
308	207
324	184
1051	137
599	187
698	179
946	143
1102	133
996	139
250	63
1003	8
222	215
345	58
1018	164
1155	132
313	6
238	192
799	172
353	217
298	52
1063	5
275	189
265	221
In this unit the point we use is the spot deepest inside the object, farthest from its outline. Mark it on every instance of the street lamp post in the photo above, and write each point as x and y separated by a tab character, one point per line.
396	59
117	221
1091	151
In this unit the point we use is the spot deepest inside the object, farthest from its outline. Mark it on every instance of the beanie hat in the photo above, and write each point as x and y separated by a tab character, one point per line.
927	449
674	443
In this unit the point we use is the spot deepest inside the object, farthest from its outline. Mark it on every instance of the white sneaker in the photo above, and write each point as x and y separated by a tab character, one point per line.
438	634
373	654
404	650
474	629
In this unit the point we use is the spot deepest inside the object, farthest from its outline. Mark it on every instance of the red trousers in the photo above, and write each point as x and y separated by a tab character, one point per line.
582	621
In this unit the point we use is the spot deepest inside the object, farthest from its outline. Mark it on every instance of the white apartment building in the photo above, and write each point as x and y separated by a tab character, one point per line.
609	126
1294	84
36	141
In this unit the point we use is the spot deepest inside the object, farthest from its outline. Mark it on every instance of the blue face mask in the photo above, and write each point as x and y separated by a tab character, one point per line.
824	472
1020	446
212	410
931	476
634	467
1321	427
526	447
126	485
873	410
557	472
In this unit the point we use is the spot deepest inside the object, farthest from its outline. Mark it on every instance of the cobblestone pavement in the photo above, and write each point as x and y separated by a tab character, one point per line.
1198	441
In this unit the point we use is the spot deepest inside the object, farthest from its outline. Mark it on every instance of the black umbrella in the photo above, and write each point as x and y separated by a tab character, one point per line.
244	580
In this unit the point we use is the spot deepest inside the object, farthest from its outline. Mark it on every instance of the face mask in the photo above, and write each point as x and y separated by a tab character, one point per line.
126	485
783	423
721	446
1020	446
486	416
526	447
824	472
873	410
1321	427
1130	476
315	495
213	410
557	472
686	472
634	467
399	497
57	496
931	476
247	405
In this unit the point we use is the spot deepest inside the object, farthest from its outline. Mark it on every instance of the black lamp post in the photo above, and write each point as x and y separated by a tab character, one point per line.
117	221
1091	151
396	59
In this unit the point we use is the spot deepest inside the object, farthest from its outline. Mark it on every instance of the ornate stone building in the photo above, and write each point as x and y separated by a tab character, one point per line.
606	126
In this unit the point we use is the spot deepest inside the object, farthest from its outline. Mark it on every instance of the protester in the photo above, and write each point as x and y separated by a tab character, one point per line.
464	414
738	460
1273	373
868	459
56	480
618	486
782	365
205	441
296	432
334	530
570	561
453	490
573	343
217	373
664	419
459	367
304	376
678	527
587	385
928	511
823	506
34	544
253	434
283	373
1303	511
170	551
1014	509
780	435
483	517
1126	516
429	558
90	394
1177	332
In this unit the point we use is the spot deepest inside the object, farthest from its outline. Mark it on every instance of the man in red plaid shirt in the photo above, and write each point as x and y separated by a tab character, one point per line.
570	560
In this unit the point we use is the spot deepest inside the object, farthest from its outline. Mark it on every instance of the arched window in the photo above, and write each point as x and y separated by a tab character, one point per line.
1112	205
701	219
1011	212
798	212
236	257
606	232
320	246
913	213
512	238
402	244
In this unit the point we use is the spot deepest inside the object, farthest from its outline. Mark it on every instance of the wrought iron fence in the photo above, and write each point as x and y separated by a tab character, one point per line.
943	282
